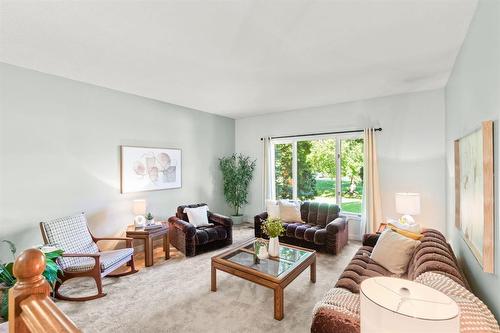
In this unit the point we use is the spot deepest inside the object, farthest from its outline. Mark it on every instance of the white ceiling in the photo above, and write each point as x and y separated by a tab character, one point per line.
241	58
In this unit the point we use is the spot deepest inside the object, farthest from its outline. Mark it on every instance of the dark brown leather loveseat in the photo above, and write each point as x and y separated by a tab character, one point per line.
191	240
321	228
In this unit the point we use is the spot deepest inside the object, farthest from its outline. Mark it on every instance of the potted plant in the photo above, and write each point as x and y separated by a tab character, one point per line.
7	279
237	172
150	219
273	228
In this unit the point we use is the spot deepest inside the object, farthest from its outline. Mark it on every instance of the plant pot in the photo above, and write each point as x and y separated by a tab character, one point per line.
237	219
274	247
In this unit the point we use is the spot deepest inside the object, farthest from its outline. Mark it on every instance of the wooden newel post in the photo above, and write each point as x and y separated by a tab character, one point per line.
28	269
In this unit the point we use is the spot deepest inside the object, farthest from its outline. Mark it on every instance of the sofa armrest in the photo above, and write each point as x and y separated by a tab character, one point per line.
258	220
185	227
220	219
261	216
332	321
336	225
370	239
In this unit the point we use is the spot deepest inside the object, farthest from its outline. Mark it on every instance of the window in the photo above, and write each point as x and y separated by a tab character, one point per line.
326	169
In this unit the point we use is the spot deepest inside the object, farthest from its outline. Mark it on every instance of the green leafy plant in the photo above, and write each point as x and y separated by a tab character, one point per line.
149	217
7	279
237	173
273	227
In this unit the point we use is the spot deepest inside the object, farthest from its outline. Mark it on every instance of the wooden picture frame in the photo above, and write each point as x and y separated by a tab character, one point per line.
474	193
149	169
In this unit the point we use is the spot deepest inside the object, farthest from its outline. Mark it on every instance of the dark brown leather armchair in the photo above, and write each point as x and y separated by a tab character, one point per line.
322	227
191	240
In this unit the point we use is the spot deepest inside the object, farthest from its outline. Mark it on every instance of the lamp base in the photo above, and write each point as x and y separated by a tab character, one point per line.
139	221
408	219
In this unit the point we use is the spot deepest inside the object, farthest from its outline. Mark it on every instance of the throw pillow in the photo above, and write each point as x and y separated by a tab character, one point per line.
197	216
290	211
394	251
273	209
406	233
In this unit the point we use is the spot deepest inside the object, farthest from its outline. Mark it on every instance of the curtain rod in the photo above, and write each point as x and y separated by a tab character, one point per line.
322	133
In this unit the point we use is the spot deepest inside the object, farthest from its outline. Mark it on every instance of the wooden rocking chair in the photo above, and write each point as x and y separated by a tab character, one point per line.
82	257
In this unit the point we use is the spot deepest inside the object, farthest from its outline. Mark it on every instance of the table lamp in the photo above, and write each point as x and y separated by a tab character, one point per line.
139	210
408	204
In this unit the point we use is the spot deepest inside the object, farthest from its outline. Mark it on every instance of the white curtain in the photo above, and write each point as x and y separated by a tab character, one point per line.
372	203
268	176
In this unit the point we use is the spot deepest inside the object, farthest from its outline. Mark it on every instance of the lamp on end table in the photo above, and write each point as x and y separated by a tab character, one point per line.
408	204
139	210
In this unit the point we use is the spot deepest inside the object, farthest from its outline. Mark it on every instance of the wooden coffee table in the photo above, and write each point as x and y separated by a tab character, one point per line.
274	273
148	237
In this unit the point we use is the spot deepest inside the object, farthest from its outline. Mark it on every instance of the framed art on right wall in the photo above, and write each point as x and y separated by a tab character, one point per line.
474	193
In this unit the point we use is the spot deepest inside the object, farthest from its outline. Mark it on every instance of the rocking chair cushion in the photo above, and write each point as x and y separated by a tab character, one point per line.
107	259
72	235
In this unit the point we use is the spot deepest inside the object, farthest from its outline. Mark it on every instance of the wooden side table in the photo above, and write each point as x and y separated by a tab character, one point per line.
148	236
382	226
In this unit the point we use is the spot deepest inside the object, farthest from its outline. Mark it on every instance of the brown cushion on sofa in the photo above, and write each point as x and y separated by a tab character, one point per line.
435	255
319	213
290	228
210	234
360	268
300	230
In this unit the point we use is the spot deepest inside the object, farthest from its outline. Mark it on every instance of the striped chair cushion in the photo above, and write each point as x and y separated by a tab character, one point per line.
71	234
107	259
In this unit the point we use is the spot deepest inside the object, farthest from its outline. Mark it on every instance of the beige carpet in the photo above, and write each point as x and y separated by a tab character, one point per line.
175	296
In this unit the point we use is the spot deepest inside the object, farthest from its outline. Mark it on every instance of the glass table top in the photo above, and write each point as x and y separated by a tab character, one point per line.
289	257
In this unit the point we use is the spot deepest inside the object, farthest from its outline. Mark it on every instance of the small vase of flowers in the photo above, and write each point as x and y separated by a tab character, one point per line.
273	228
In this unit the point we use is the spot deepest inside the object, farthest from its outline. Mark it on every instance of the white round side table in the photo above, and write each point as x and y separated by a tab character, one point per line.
397	305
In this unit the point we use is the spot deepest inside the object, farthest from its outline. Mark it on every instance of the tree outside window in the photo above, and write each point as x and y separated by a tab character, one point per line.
319	169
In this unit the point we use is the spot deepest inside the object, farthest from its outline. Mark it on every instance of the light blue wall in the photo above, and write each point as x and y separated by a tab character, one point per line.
472	96
59	153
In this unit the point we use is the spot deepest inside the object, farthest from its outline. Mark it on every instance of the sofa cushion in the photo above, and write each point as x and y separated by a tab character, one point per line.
273	209
107	259
290	228
197	216
319	213
435	255
300	230
360	268
406	233
289	210
394	251
210	234
180	210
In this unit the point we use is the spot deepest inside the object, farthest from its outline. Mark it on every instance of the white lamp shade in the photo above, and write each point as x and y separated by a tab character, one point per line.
390	305
139	207
408	203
